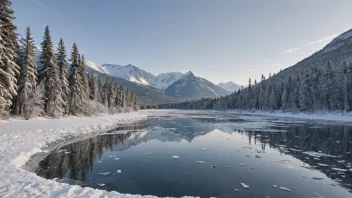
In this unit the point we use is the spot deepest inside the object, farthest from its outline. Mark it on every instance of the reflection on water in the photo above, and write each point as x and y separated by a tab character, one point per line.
307	157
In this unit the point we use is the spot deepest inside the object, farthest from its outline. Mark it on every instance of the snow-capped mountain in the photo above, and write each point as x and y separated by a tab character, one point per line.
137	75
193	87
164	80
230	86
131	73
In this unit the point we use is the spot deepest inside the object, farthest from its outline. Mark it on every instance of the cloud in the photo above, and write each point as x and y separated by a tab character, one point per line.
292	50
326	39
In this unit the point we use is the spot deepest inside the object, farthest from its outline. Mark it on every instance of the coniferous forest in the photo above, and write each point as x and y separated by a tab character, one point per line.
325	88
54	86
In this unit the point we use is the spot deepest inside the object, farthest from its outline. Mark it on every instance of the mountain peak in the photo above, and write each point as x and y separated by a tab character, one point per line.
190	73
229	86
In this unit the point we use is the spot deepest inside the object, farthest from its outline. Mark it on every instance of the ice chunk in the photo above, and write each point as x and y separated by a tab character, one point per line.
275	186
257	156
320	164
201	162
175	157
101	185
285	189
119	171
147	153
213	166
317	195
203	149
106	173
236	189
99	161
241	165
116	158
339	169
245	186
66	152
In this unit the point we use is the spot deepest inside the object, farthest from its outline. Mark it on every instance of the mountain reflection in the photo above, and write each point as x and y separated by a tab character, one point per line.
331	143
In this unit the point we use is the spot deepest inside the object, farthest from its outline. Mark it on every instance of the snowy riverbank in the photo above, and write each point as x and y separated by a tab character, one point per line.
332	116
21	139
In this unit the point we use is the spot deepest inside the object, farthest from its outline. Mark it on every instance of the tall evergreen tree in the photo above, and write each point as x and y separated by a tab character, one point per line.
48	74
28	74
84	76
61	58
75	83
93	91
8	49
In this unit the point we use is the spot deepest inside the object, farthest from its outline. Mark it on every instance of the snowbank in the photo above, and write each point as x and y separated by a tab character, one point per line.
333	116
21	139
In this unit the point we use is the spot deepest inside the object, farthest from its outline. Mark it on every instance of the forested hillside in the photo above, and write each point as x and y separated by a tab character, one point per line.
322	82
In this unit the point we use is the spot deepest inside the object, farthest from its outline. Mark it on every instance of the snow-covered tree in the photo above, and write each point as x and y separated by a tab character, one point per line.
93	90
28	74
304	93
84	77
61	58
75	83
35	104
48	74
8	50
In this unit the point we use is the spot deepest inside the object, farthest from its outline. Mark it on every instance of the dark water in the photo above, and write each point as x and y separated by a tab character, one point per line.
309	158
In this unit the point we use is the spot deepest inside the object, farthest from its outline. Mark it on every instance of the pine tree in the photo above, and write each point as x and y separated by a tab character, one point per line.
48	74
304	93
84	77
61	57
344	84
8	49
75	83
99	89
329	86
93	91
28	73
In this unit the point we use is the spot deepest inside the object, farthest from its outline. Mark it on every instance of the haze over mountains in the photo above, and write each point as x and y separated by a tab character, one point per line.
163	87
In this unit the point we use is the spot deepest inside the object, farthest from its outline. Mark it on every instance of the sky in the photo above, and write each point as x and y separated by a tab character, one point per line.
220	40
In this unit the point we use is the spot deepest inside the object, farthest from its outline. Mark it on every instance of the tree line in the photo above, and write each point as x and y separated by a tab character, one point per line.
316	89
46	87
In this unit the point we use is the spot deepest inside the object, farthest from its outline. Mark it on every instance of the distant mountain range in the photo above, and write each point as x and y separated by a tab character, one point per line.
230	86
190	86
163	87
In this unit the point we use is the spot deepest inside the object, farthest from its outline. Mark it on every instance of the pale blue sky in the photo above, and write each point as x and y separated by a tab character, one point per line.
220	40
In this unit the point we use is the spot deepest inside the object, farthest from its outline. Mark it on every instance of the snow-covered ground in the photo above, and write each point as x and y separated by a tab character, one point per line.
333	116
21	139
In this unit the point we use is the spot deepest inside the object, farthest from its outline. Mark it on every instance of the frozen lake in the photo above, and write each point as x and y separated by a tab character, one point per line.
211	154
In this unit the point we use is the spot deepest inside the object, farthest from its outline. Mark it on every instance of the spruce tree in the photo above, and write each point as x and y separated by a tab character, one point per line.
8	49
92	87
48	74
28	73
61	57
75	83
84	77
